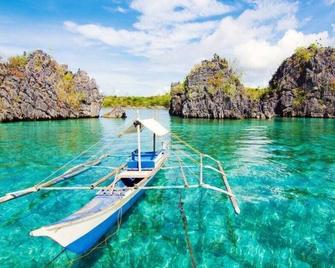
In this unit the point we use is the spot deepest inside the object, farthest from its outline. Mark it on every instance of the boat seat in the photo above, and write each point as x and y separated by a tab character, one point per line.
147	160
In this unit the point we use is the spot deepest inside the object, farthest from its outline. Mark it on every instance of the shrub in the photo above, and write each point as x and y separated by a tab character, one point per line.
177	88
38	62
217	81
227	85
19	61
333	56
66	91
299	97
306	54
332	85
303	54
256	93
229	89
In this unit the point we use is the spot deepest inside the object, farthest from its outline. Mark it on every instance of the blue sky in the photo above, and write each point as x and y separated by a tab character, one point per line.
139	47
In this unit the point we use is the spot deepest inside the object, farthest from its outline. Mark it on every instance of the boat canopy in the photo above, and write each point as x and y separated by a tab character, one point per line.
150	124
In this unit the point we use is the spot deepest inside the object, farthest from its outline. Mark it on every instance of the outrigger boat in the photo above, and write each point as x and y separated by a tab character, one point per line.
80	231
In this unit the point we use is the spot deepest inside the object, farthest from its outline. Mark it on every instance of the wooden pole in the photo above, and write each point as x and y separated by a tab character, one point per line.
66	175
182	172
103	179
232	196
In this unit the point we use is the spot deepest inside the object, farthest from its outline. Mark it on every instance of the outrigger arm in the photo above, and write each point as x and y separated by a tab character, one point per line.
66	175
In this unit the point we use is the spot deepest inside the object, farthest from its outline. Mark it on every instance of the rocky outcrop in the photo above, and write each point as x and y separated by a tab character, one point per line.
36	87
213	90
116	112
304	85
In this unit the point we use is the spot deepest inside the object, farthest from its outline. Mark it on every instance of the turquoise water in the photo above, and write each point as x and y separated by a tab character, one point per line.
281	170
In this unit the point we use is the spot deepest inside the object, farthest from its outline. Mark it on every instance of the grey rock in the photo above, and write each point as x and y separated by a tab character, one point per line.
213	90
306	86
302	86
116	112
44	89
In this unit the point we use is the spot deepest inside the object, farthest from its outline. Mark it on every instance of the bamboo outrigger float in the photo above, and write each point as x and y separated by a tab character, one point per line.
80	231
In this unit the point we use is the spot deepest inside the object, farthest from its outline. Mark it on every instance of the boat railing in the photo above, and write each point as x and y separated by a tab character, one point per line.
180	152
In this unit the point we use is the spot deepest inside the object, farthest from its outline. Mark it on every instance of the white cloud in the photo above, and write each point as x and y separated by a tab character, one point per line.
329	2
118	9
162	26
167	38
287	23
157	14
170	34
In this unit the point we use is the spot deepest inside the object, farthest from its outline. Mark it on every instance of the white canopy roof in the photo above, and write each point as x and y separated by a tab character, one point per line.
150	124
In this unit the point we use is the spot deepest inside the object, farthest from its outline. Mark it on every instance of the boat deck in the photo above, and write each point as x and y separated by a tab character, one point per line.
135	174
102	200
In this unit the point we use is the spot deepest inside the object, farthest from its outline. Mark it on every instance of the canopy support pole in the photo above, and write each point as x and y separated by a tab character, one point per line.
139	146
154	142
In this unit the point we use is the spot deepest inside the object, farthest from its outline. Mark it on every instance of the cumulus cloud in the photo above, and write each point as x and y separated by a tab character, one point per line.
329	2
178	33
159	14
118	9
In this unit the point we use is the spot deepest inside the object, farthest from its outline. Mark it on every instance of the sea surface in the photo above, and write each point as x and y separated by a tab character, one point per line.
282	172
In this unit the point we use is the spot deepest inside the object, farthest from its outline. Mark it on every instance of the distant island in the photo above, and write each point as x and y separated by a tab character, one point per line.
159	101
302	86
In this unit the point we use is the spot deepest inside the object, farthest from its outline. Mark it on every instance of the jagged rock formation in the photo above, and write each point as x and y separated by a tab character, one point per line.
213	90
303	85
116	112
35	87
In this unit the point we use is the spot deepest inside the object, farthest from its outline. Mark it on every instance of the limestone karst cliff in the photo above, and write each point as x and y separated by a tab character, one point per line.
302	86
35	86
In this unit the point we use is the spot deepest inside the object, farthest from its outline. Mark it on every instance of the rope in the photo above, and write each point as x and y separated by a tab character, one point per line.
69	162
186	155
56	257
119	219
185	143
185	228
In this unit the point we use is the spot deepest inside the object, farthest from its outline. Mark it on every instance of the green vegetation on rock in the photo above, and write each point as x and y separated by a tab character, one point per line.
19	61
306	54
38	63
178	88
256	94
332	85
299	97
66	92
227	84
134	101
34	86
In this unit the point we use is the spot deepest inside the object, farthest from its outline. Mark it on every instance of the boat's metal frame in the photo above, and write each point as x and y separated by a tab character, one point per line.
79	233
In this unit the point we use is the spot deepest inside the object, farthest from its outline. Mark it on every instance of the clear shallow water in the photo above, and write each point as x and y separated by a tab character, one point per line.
281	170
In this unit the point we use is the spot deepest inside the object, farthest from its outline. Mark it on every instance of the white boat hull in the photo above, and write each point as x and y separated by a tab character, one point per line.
81	231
